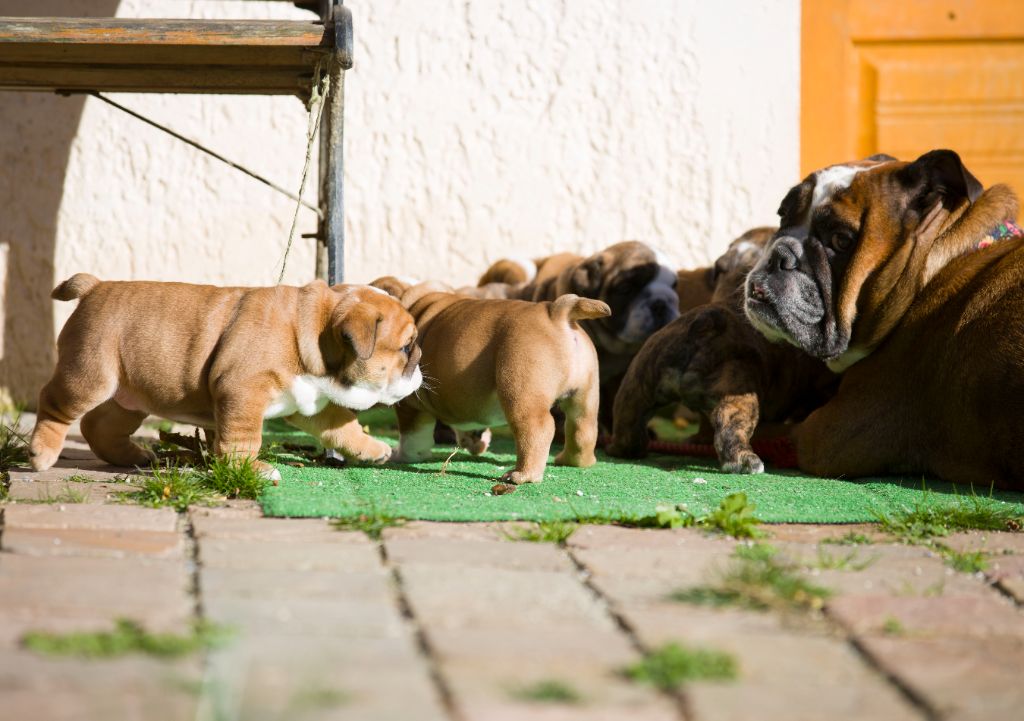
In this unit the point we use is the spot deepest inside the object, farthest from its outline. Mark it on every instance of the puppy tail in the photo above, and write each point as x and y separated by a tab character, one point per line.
571	307
75	287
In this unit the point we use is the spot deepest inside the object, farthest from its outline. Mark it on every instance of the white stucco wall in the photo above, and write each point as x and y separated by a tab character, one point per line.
473	129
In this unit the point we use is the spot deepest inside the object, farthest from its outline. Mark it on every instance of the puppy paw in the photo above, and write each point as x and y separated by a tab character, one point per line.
476	442
578	460
43	458
376	453
519	477
404	455
746	462
266	471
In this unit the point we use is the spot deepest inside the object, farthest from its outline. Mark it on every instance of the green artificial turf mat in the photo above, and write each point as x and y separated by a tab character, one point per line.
612	489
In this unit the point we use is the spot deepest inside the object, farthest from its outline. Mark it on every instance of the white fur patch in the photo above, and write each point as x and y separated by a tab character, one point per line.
415	446
773	334
308	395
829	181
375	289
847	359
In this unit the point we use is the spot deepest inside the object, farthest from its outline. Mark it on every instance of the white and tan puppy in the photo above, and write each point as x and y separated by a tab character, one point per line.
503	362
224	359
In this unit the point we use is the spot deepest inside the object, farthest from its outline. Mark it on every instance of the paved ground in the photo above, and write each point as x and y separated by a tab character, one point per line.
456	621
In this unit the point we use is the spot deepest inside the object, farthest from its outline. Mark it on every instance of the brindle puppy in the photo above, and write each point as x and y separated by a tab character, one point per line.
714	362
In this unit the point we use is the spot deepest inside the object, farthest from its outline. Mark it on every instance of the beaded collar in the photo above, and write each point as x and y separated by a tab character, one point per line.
1003	231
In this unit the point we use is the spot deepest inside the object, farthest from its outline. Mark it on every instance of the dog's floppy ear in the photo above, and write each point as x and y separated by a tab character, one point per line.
794	207
357	327
391	285
586	278
939	175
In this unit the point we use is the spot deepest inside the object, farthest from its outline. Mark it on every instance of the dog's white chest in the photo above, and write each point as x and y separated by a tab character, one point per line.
304	396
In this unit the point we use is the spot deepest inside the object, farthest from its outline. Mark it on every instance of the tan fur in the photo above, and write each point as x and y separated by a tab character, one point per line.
488	360
215	357
694	288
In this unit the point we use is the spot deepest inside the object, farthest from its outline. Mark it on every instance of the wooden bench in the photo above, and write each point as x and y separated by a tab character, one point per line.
265	57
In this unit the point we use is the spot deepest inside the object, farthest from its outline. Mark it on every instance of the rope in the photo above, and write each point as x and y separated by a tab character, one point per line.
317	99
199	146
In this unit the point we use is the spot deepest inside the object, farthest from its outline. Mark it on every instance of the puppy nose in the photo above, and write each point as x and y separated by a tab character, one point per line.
659	309
757	291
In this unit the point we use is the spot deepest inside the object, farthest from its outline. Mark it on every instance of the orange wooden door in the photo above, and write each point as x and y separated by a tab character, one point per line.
905	76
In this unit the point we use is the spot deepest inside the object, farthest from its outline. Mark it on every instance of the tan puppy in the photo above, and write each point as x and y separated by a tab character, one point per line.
908	279
497	362
224	359
630	278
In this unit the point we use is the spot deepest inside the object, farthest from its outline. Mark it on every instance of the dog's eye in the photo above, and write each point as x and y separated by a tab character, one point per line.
408	348
841	241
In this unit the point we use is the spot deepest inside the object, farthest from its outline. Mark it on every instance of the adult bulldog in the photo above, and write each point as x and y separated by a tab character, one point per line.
908	278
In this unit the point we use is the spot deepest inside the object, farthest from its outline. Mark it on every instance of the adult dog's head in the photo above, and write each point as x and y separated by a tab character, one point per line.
858	242
639	290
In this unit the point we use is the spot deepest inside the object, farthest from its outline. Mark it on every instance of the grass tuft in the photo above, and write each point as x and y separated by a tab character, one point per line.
550	691
892	627
851	538
760	581
928	519
372	523
13	443
734	517
557	532
127	637
672	665
841	562
173	485
964	561
232	477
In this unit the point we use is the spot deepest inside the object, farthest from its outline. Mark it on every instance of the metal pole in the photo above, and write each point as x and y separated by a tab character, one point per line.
332	168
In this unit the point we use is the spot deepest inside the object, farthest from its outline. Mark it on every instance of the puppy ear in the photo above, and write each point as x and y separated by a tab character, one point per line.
586	279
358	328
940	175
391	285
797	203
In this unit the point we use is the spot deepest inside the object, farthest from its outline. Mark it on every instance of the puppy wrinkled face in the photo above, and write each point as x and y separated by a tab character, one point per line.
640	291
379	336
730	270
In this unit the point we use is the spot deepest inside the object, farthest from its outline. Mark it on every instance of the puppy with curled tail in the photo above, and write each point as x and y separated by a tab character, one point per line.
503	362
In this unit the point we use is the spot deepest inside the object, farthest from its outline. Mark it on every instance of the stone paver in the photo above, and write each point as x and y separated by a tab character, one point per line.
455	621
501	616
321	630
959	677
788	669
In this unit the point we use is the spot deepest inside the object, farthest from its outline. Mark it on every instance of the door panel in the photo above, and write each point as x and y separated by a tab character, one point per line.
906	76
